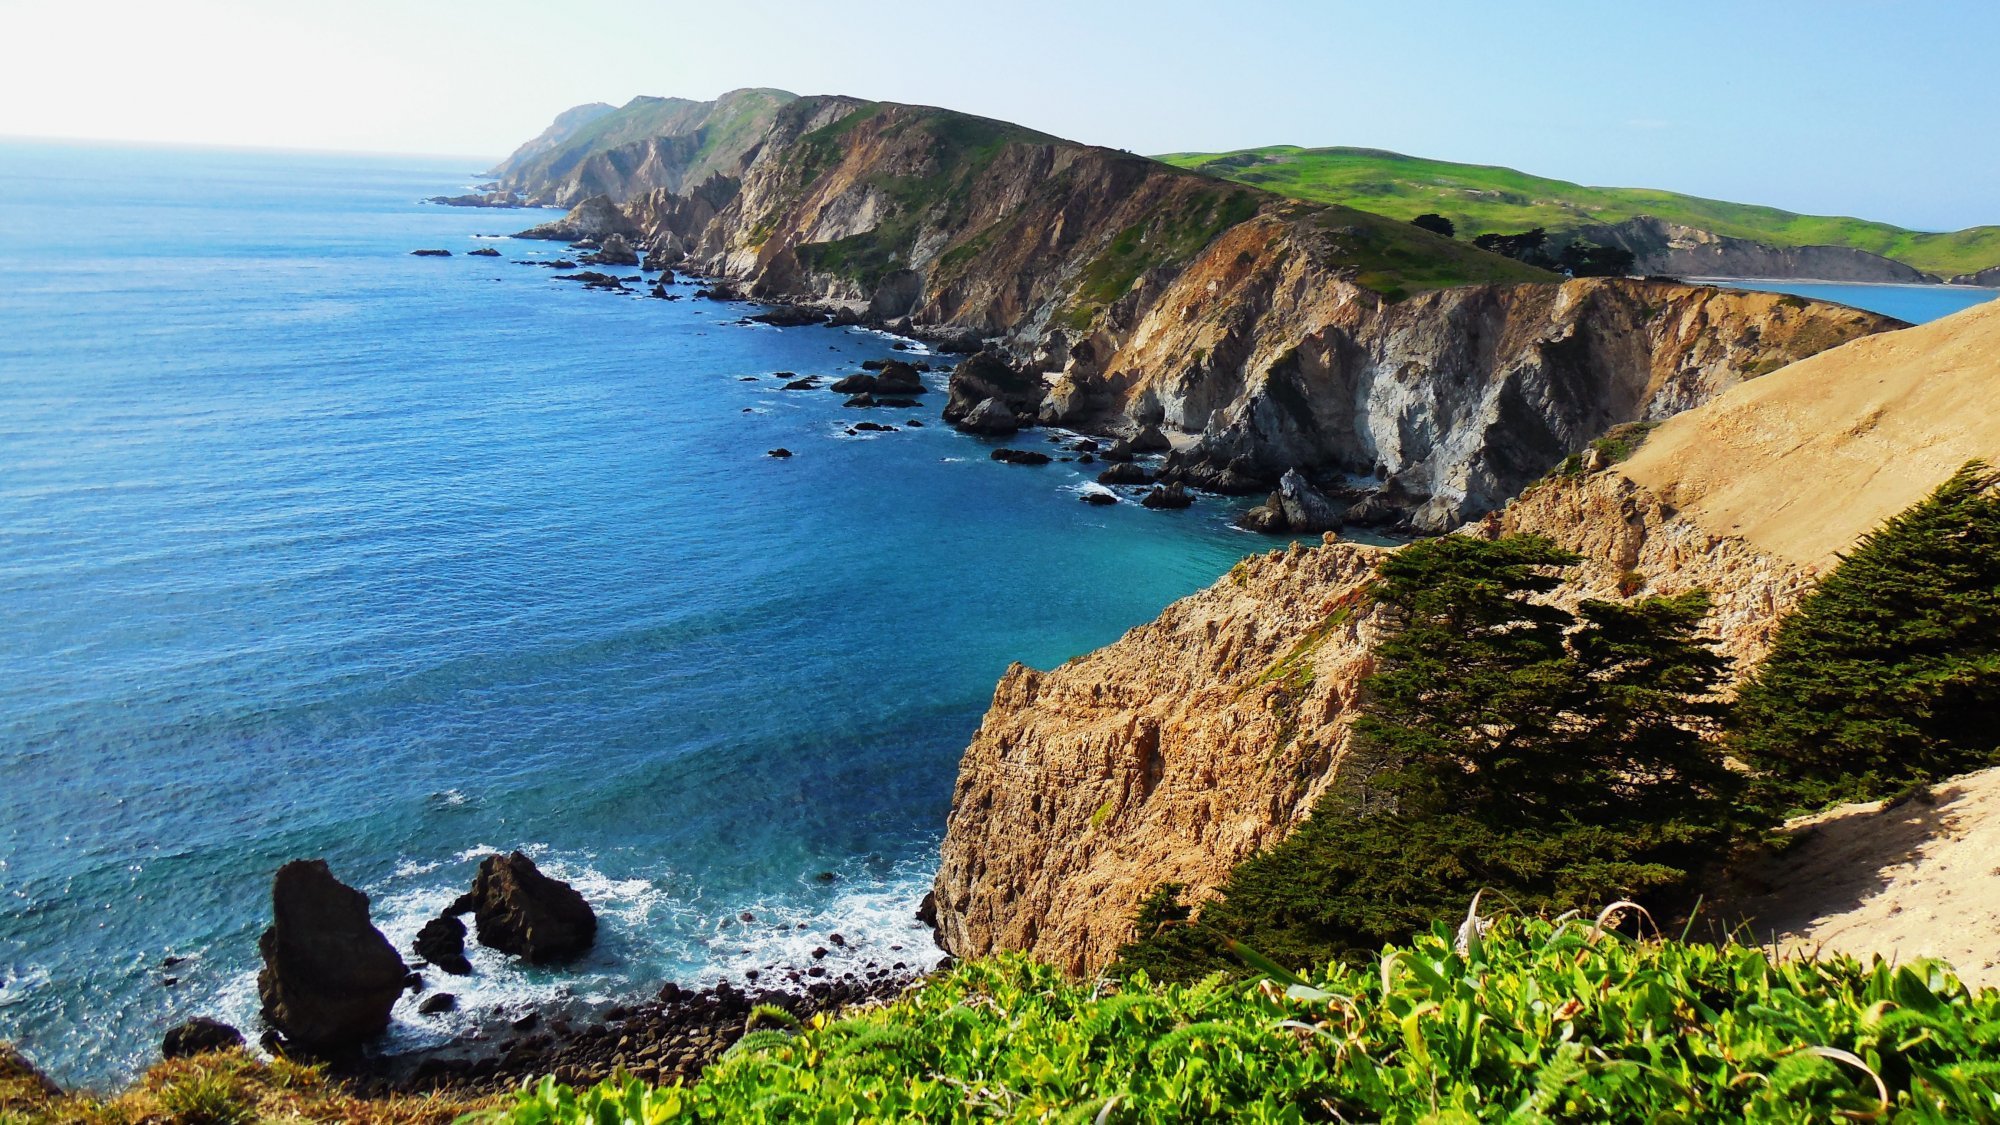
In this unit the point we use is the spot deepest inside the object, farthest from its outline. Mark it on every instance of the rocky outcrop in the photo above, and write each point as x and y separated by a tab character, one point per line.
614	252
1454	401
441	942
1661	247
1989	278
330	978
1305	508
594	218
1205	735
199	1036
519	910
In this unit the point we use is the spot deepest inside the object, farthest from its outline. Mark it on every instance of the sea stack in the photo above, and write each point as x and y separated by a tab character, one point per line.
519	910
329	977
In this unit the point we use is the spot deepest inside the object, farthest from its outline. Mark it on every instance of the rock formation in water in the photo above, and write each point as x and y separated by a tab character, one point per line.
519	910
330	978
1115	293
199	1036
1204	736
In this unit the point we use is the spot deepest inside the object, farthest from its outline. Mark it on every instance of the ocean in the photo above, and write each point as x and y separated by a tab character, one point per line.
1914	303
309	547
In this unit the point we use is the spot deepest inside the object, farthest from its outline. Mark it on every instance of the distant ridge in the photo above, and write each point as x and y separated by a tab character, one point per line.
1484	199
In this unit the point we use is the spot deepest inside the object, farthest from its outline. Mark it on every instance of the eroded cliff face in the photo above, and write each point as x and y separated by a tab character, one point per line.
1451	402
1425	379
1206	735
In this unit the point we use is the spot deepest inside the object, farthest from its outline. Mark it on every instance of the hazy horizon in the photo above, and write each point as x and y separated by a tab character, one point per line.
1855	110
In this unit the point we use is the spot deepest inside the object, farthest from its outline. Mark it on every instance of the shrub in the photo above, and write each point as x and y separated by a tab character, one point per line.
1527	1021
1888	673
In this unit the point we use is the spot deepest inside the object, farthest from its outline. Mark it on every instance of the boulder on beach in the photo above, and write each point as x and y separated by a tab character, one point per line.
199	1036
442	943
990	417
519	910
329	976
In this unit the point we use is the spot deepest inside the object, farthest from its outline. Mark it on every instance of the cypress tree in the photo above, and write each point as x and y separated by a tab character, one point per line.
1560	759
1888	673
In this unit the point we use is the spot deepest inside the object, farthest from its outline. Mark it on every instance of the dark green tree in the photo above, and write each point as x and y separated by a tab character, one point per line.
1559	759
1888	673
1436	224
1582	259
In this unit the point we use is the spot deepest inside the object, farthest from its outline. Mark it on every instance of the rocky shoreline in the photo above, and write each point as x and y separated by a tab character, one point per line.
331	979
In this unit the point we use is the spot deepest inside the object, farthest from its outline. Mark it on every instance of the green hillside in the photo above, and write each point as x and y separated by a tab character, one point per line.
729	125
1482	199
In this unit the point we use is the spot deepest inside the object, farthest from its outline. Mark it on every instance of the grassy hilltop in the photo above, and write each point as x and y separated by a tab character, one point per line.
1484	199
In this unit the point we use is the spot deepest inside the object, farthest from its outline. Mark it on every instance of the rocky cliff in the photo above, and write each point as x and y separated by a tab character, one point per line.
1427	378
1205	735
647	144
1989	278
1662	247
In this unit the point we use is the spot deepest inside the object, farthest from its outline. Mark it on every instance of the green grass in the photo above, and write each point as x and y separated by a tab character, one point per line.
1482	199
1516	1021
727	127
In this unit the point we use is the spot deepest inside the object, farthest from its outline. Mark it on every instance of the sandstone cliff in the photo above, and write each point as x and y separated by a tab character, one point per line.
1205	735
1427	378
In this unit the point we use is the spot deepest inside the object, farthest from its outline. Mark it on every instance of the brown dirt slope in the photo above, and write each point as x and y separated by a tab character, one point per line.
1804	461
1919	879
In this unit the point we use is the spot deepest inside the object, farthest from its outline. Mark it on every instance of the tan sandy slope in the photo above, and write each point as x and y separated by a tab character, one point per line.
1921	879
1802	462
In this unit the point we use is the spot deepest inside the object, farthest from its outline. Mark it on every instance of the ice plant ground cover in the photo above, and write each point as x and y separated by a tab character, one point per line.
1497	1020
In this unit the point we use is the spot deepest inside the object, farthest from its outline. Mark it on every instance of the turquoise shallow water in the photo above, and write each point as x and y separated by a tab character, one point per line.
312	548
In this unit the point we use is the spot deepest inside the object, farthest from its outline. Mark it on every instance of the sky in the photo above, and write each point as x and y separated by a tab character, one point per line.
1878	109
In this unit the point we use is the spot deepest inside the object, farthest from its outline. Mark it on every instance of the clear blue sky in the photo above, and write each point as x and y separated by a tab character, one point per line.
1885	110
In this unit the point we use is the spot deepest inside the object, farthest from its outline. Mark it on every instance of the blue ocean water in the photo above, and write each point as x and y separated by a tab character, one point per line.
309	547
1914	303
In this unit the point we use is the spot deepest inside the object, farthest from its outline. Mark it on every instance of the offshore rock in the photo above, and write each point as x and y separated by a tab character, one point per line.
1305	508
615	251
442	943
898	378
594	218
199	1036
986	377
1168	496
1020	457
329	976
990	417
519	910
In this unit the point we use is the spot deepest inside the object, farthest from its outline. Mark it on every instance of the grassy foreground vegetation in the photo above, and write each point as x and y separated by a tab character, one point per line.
1481	199
1502	1020
223	1088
